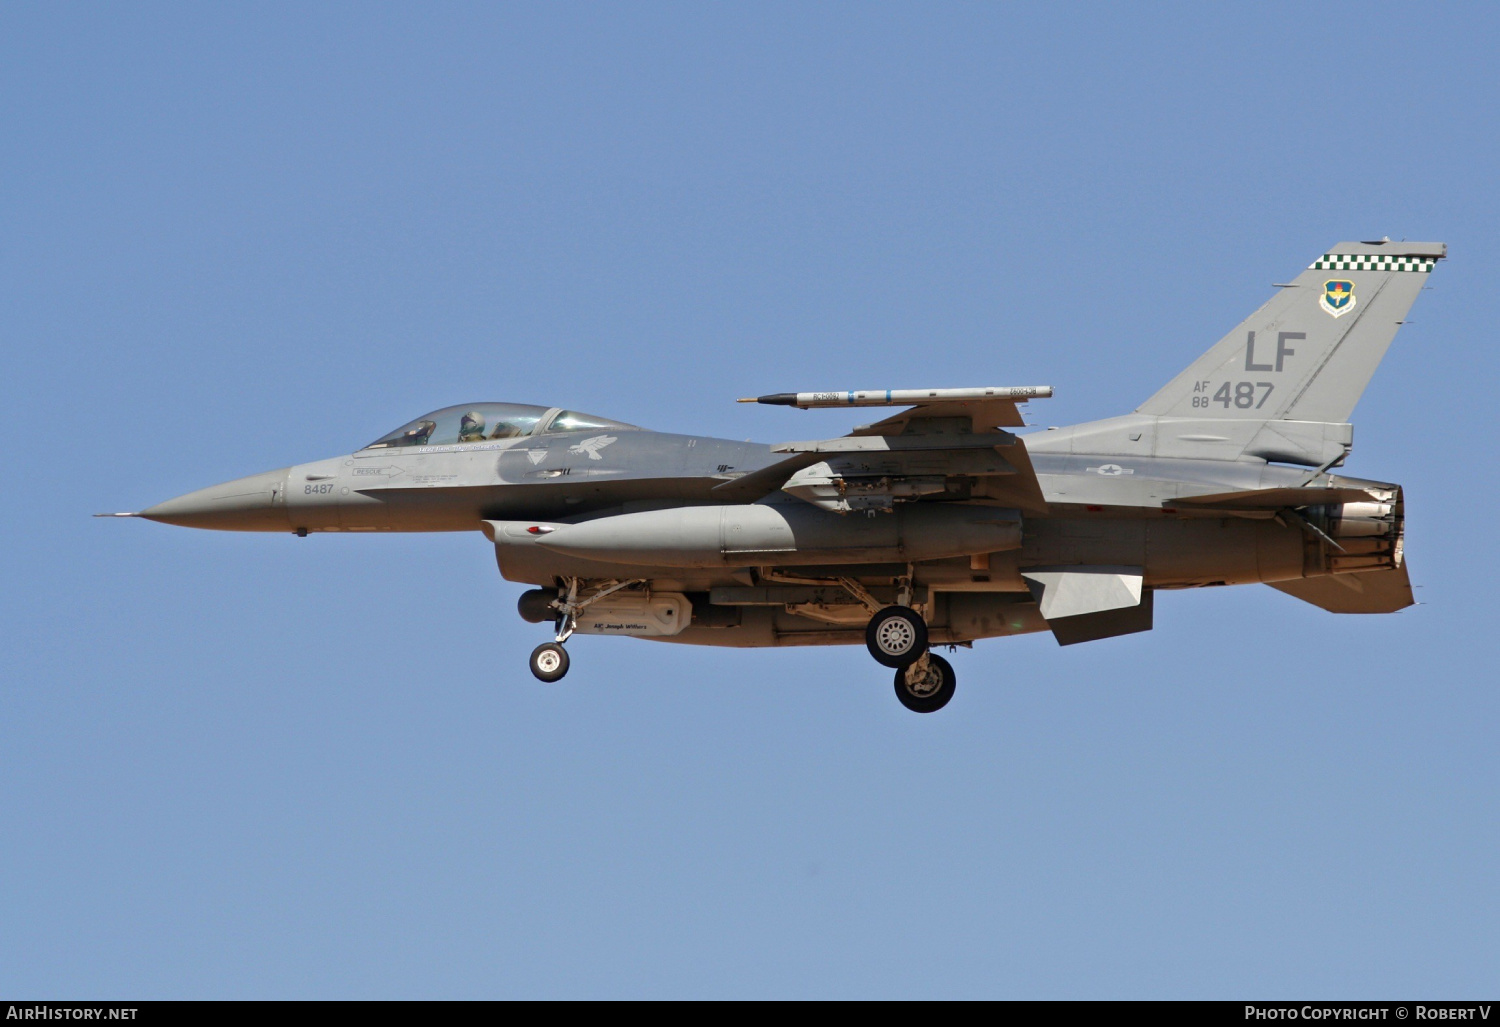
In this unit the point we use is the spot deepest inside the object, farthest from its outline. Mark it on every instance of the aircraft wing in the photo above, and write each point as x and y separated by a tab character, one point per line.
942	434
757	484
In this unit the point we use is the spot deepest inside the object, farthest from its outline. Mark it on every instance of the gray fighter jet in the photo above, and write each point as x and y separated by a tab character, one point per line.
934	526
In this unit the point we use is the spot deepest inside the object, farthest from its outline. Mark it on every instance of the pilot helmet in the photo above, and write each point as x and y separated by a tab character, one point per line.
471	425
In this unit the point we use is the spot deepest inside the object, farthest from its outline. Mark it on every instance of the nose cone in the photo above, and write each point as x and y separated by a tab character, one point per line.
256	503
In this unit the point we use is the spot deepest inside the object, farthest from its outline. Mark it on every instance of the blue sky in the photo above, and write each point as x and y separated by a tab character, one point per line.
232	239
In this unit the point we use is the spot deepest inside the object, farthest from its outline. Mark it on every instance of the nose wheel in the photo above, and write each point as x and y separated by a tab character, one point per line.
549	661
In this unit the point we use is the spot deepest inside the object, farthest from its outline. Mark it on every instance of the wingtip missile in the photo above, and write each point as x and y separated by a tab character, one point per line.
901	397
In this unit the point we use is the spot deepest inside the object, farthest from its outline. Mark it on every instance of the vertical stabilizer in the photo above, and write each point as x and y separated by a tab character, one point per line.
1309	352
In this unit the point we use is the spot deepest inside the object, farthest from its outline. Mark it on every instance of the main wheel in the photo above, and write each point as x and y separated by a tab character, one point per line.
549	661
926	688
896	637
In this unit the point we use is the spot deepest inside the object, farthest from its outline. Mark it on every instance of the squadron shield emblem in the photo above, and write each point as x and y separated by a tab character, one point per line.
1338	297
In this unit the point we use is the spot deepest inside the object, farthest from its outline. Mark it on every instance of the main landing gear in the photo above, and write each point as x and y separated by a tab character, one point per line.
927	685
897	638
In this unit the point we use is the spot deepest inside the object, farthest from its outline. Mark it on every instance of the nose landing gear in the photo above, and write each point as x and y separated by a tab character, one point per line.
549	661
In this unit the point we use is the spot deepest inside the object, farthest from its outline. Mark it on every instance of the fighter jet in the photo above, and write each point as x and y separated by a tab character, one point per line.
935	526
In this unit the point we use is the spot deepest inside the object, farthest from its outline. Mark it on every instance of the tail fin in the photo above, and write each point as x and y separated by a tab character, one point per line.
1308	354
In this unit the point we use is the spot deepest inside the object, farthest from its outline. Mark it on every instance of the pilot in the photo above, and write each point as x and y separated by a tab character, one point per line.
418	435
471	427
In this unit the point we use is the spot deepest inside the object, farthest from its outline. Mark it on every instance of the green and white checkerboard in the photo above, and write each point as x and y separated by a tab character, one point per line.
1371	262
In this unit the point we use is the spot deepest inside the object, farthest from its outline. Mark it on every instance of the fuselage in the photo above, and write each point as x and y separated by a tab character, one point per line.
1101	509
456	487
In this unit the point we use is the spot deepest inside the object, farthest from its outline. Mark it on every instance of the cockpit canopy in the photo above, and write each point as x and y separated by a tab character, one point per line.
478	422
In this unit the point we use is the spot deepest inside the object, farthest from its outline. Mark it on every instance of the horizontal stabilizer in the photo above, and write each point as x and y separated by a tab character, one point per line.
1273	499
1371	592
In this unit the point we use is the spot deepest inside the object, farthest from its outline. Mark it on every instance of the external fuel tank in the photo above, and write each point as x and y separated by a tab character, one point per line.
775	533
